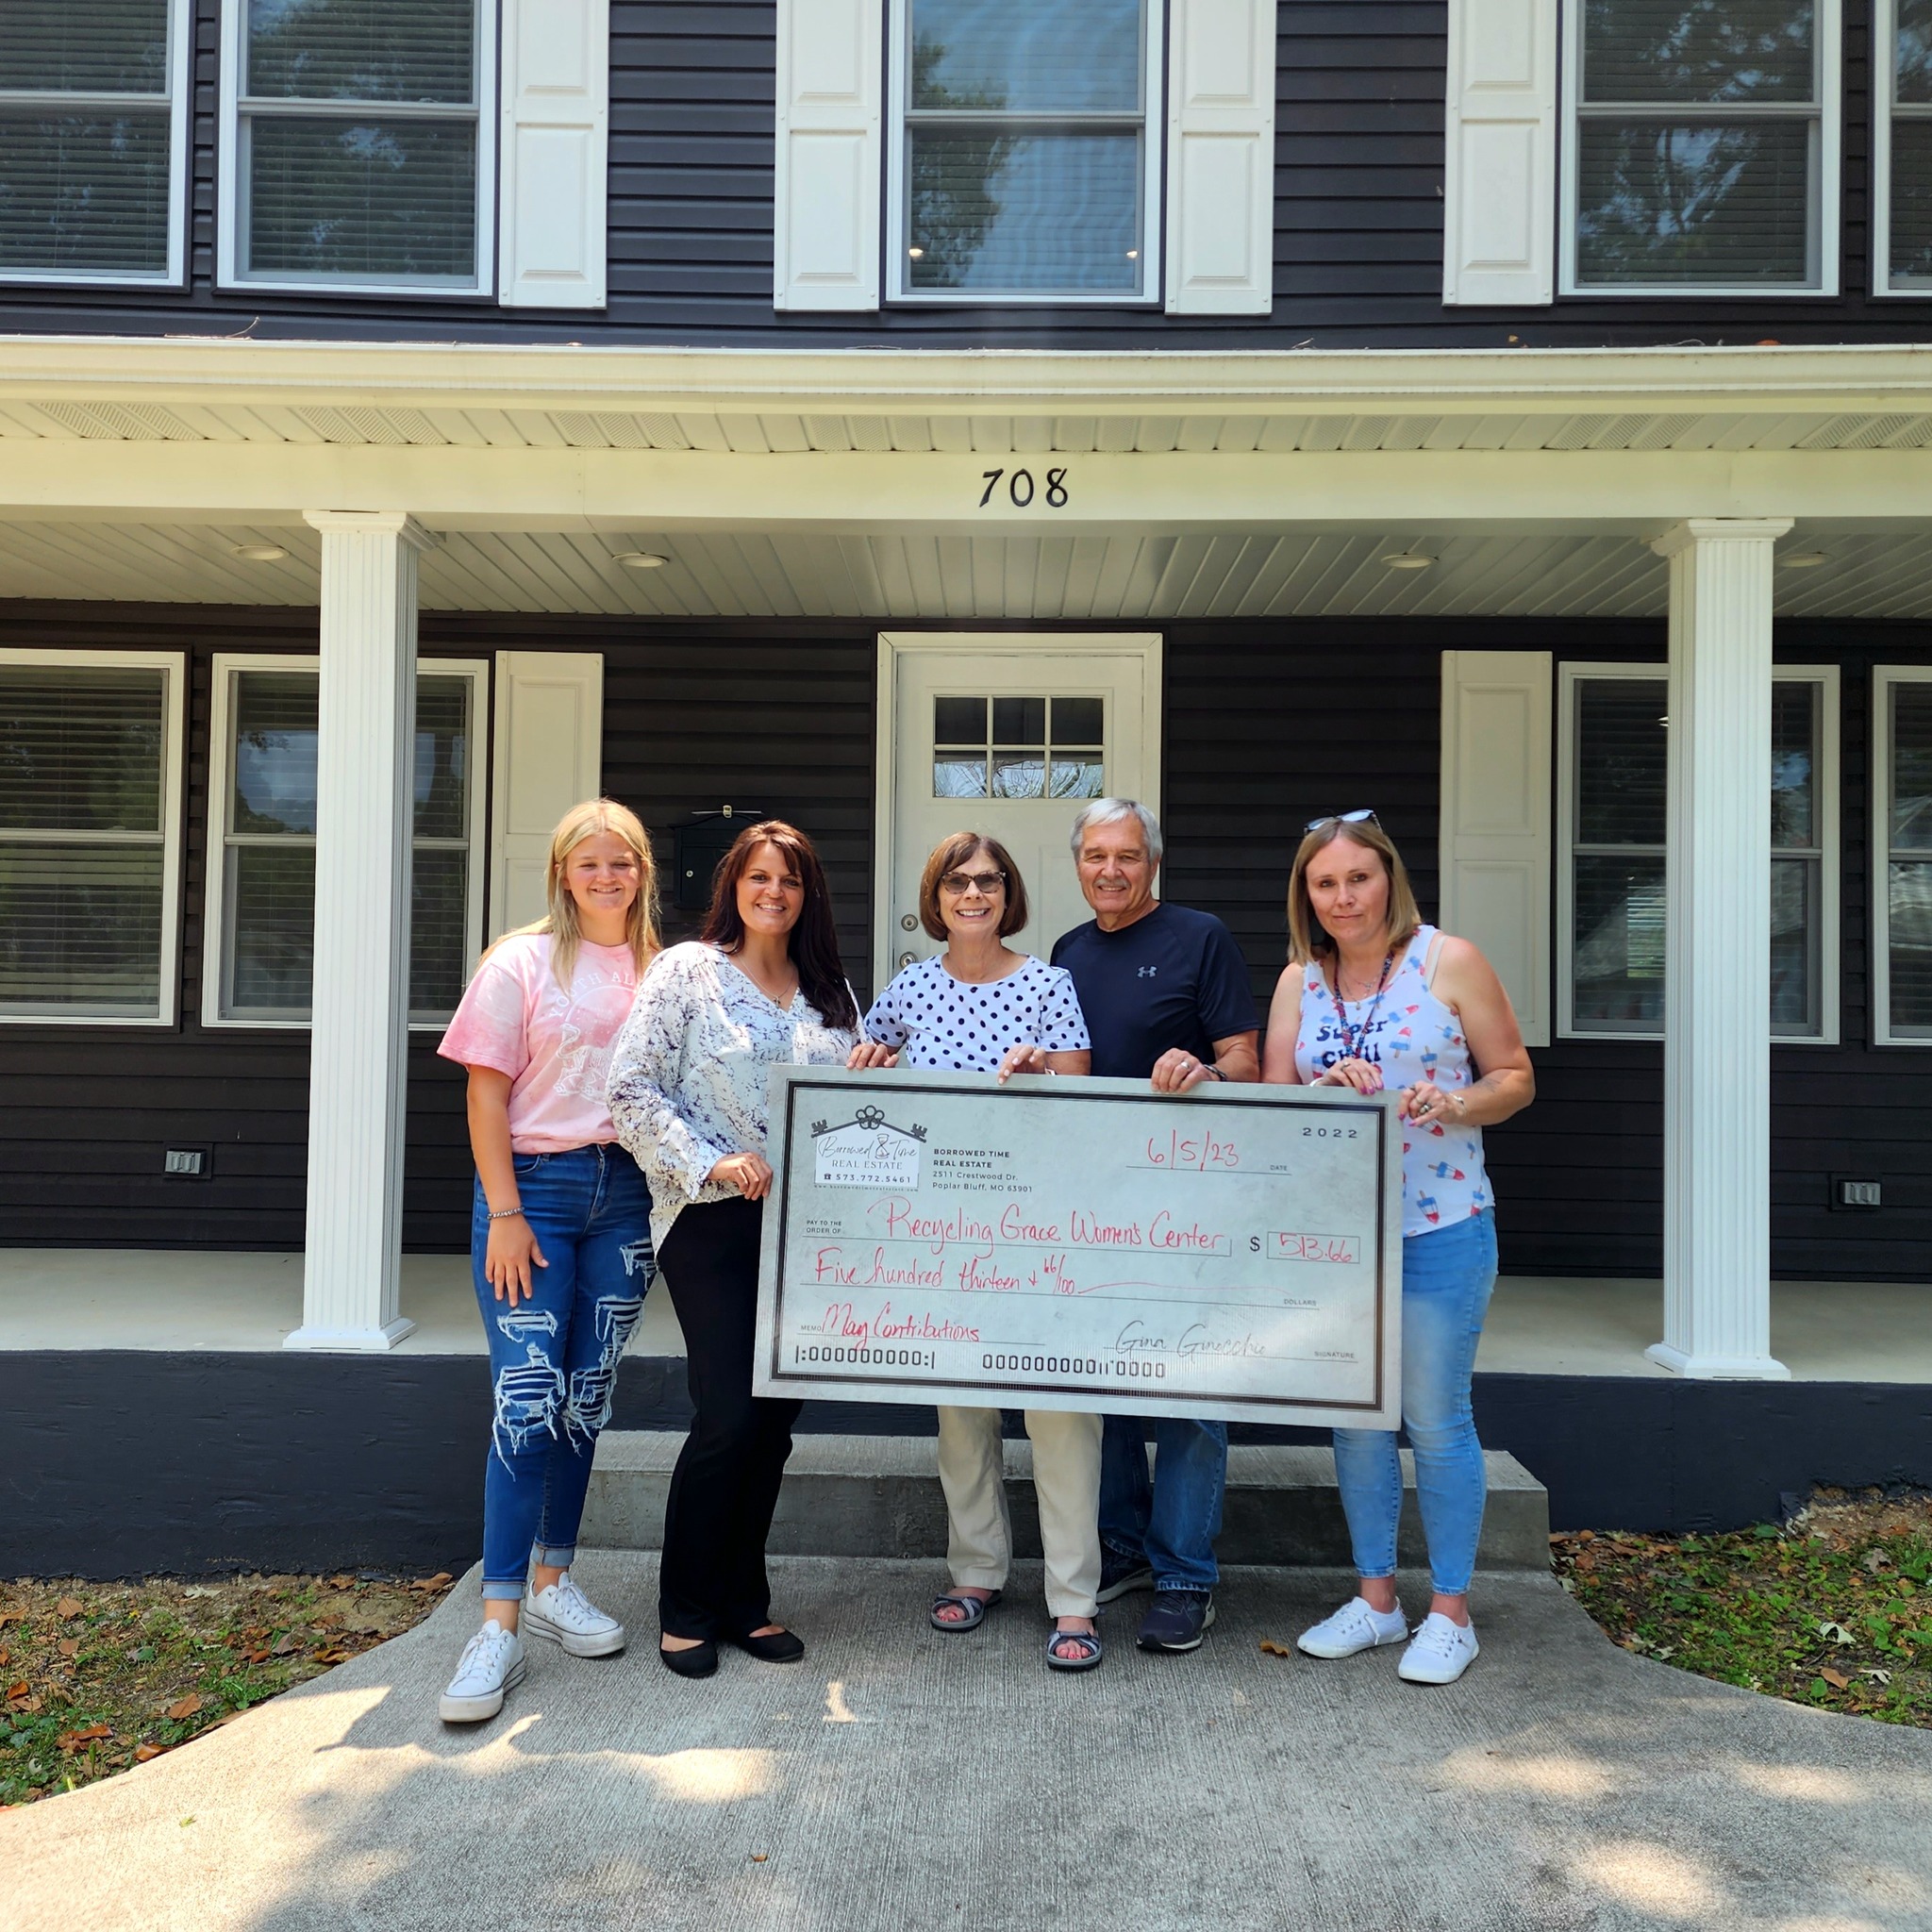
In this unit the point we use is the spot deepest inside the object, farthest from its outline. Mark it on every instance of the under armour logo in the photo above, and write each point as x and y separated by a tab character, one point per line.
1147	971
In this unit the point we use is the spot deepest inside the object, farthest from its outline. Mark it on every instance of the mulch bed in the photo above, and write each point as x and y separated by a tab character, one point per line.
1832	1608
96	1677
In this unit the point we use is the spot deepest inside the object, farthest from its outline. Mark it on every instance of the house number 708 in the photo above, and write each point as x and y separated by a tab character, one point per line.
1020	488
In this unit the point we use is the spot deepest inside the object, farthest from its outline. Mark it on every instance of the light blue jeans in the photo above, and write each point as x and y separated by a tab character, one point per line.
1446	1278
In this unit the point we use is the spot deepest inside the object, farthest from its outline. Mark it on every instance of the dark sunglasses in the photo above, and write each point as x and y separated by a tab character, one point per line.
1344	818
988	882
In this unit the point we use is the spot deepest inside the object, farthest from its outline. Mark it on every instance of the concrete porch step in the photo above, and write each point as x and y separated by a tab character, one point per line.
879	1496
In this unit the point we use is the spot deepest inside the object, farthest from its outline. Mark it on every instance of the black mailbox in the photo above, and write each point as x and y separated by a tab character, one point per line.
697	845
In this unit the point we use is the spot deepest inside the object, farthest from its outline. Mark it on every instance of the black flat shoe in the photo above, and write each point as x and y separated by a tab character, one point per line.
700	1660
780	1648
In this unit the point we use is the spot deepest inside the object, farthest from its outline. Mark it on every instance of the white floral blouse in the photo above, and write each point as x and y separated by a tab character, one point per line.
688	1072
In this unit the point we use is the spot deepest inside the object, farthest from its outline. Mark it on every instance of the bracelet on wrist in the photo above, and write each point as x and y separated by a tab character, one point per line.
505	1213
1211	1068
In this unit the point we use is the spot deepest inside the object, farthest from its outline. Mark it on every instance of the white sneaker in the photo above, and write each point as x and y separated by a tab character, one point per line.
565	1615
492	1663
1440	1653
1356	1625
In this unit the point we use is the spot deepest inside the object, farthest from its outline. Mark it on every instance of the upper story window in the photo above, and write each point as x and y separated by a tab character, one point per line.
357	143
1901	147
1702	150
1022	167
93	140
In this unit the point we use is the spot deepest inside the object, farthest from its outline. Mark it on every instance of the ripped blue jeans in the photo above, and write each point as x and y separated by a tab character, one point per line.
552	1357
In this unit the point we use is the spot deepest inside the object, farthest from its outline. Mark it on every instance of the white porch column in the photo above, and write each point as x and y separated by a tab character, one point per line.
364	796
1717	1018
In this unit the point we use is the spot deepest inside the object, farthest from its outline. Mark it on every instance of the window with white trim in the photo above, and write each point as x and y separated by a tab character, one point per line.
1901	147
90	835
1022	164
93	140
1610	891
358	143
260	943
1902	855
1702	147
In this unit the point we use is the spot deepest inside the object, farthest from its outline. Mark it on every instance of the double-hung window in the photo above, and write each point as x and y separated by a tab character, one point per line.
259	942
90	835
1611	887
1902	855
1901	147
1023	165
358	143
93	140
1702	147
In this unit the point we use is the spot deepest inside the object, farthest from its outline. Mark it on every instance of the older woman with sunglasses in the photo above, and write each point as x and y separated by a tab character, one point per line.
1372	997
979	1006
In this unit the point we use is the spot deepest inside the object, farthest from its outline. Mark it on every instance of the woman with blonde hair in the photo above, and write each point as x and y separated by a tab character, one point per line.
559	1232
1372	997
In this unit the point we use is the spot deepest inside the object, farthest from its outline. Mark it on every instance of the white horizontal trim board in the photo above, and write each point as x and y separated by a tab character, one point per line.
1885	678
173	713
1500	153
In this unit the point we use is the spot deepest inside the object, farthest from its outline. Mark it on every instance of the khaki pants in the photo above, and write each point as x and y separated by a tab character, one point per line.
1066	1479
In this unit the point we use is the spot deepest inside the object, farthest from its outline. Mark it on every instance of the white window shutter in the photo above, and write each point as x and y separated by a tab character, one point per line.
555	127
548	756
827	227
1499	192
1496	823
1221	157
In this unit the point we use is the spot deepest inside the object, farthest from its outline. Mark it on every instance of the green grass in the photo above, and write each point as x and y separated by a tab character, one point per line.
1833	1608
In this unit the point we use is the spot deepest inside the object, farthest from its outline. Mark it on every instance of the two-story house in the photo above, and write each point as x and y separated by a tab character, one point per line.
1510	415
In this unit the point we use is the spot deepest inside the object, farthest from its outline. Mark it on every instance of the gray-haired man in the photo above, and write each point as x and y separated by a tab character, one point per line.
1166	996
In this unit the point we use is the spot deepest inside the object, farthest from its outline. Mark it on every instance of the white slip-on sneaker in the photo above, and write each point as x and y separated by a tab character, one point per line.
565	1615
1356	1626
492	1663
1440	1653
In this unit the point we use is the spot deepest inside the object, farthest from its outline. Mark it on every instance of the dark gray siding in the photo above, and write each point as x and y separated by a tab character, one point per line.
1358	240
1267	725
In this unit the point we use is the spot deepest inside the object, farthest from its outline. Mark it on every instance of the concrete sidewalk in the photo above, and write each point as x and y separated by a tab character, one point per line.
900	1779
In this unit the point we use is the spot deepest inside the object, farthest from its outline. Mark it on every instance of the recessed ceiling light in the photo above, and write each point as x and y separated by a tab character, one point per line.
1802	559
1404	559
641	559
260	553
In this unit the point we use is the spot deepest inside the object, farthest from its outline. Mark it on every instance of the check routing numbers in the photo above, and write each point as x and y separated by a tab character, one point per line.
1048	1237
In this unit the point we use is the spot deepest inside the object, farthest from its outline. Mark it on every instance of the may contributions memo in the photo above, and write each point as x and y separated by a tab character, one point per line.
1233	1252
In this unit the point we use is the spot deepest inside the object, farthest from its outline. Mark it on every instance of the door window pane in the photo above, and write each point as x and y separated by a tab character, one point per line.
959	774
959	721
1019	773
1697	144
1024	761
1079	721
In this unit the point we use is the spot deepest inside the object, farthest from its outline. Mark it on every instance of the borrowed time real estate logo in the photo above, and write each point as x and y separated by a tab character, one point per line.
868	1151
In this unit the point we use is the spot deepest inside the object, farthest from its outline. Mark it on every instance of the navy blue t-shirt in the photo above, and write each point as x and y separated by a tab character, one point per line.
1174	977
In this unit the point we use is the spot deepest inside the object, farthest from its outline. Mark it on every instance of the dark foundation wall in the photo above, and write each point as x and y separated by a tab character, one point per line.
1359	177
1267	725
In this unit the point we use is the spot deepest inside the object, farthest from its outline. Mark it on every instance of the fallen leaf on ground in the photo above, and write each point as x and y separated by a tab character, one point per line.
331	1656
69	1646
256	1657
7	1617
186	1707
73	1741
341	1582
144	1754
1837	1680
1835	1633
1270	1648
69	1606
19	1690
439	1581
283	1645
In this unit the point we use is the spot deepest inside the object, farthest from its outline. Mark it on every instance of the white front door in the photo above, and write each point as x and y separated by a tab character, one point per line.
1007	735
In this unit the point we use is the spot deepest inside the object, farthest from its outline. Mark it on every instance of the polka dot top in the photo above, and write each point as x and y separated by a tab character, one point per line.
943	1023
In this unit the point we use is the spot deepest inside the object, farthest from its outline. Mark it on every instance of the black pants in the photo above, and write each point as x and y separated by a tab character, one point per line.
725	1485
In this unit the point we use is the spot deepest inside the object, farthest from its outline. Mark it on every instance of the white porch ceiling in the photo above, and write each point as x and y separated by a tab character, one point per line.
983	575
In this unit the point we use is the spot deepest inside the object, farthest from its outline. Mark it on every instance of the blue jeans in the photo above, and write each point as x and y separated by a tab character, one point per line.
1446	1278
1173	1522
553	1358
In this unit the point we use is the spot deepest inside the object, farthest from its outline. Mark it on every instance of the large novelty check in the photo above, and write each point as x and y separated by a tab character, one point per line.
1234	1253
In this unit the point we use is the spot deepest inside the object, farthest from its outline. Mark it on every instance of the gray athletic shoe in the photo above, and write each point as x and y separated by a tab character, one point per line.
492	1663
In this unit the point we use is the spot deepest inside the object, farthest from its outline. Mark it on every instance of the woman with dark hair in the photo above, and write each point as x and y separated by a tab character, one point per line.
760	986
1372	997
979	1006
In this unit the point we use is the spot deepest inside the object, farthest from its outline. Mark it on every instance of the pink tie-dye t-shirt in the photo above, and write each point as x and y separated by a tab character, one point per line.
555	1046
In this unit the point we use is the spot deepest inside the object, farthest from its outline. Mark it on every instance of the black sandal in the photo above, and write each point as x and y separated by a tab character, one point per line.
1090	1655
974	1606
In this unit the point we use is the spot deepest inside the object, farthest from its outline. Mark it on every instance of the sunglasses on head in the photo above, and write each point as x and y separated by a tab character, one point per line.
1344	818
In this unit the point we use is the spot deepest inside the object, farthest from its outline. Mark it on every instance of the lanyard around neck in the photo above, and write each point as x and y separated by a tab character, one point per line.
1352	1039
